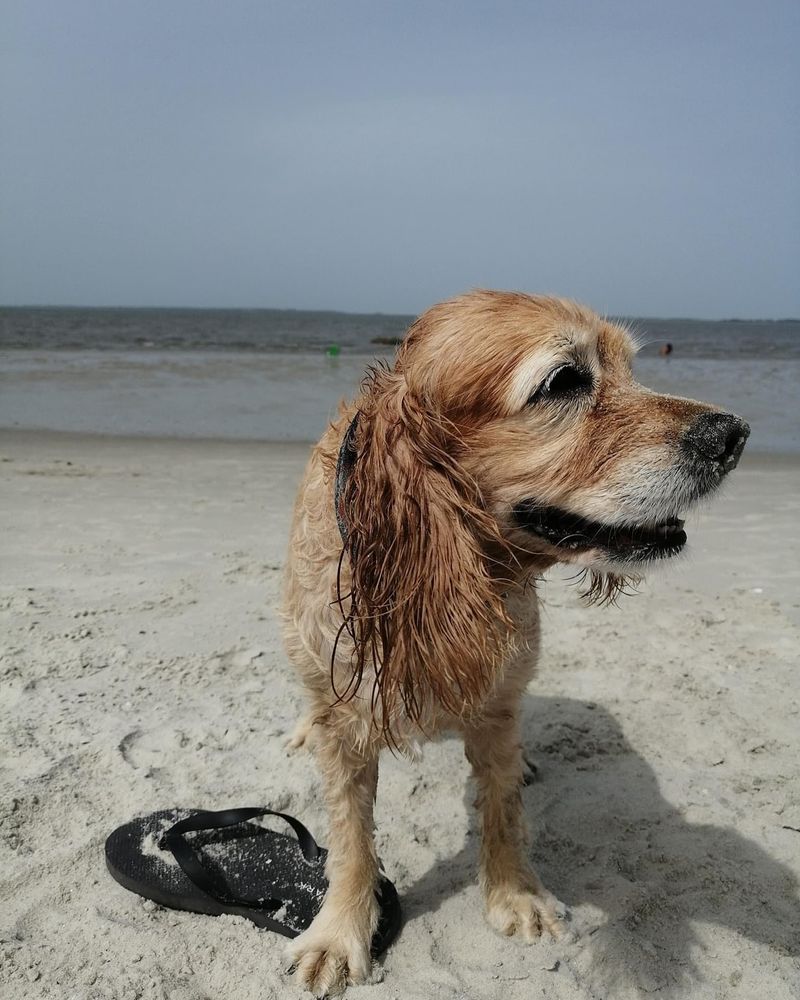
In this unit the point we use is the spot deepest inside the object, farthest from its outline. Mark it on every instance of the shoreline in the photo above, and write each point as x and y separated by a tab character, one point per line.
291	397
44	435
752	458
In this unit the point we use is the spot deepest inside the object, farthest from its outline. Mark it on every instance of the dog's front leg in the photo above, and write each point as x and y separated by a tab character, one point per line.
335	950
516	901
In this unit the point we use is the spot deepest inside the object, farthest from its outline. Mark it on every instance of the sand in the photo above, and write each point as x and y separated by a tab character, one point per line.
142	668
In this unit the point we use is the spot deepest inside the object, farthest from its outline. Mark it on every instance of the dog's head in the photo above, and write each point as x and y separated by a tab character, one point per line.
577	462
509	435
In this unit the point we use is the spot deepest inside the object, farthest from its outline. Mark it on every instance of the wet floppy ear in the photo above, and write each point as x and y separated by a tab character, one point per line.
425	563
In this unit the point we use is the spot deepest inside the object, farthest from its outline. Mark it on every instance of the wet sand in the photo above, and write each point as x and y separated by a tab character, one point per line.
285	396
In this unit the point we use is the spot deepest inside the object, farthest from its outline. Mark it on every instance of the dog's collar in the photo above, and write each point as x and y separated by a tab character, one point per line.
344	467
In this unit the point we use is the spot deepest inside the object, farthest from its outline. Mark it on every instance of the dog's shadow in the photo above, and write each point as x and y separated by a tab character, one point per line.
603	835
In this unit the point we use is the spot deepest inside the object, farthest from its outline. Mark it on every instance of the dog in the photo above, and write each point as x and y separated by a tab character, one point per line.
508	435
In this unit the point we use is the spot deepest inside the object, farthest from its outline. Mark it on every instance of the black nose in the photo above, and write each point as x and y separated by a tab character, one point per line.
718	436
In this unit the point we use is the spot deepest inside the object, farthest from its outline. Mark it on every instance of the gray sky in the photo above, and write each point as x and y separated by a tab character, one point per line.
640	156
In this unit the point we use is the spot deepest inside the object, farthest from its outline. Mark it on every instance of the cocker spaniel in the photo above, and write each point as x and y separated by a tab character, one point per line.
509	435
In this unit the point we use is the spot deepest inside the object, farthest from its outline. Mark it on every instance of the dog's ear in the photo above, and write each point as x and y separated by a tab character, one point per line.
426	562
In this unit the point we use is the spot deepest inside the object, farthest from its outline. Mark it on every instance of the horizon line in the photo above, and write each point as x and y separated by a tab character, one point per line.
378	312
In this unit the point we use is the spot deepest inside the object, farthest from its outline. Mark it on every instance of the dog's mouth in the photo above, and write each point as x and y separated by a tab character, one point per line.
622	543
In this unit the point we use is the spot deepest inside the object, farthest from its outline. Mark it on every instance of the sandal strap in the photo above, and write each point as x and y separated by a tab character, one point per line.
209	882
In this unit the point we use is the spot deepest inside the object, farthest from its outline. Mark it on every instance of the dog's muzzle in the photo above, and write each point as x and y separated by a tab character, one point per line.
710	448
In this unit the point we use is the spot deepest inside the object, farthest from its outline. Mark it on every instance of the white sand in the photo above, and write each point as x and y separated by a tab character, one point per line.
142	668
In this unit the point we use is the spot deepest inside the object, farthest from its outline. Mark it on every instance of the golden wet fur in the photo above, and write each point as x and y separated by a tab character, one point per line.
427	621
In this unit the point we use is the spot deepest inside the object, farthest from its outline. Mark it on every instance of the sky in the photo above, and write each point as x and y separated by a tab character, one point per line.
643	157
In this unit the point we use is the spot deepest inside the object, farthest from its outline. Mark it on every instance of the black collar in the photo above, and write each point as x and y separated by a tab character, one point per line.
344	467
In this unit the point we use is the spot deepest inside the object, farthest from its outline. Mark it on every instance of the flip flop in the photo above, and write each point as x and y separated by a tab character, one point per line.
232	866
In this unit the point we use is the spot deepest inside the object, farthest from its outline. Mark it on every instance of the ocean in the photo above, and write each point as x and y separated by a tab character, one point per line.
290	330
279	374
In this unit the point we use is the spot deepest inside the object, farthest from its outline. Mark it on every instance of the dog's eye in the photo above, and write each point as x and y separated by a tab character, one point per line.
564	382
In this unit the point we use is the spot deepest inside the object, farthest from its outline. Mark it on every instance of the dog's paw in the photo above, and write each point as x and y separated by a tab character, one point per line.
525	913
329	957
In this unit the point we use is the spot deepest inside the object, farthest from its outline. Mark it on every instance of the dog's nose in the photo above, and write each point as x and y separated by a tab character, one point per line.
718	436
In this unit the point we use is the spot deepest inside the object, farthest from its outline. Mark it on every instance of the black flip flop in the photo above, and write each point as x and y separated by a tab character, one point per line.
232	866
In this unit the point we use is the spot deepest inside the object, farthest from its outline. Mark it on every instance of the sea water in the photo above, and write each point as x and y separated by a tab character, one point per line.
279	375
